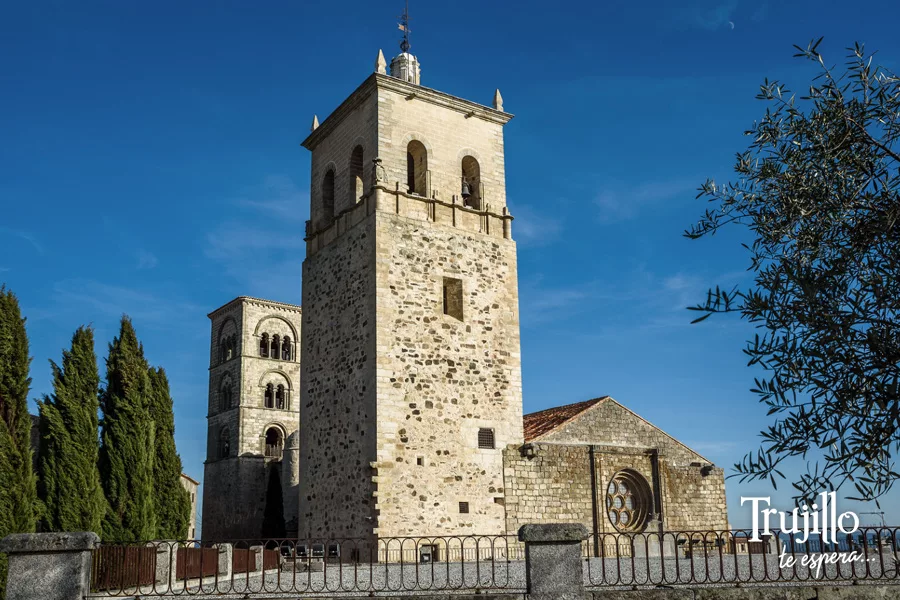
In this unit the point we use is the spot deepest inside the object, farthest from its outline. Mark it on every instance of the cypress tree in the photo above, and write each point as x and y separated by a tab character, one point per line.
69	483
127	441
18	491
172	501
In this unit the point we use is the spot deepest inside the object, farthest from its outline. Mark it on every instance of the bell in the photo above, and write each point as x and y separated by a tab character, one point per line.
466	192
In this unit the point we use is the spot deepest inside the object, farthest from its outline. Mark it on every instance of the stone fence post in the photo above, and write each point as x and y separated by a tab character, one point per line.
553	565
49	566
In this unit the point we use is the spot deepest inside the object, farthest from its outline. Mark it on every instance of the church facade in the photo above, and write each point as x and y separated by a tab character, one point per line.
400	411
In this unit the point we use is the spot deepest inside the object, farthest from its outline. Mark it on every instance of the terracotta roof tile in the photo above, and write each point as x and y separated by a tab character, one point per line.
542	422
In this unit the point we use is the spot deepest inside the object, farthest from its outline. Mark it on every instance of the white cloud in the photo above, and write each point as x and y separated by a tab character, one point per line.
277	196
711	15
263	249
531	228
146	260
25	235
623	202
95	299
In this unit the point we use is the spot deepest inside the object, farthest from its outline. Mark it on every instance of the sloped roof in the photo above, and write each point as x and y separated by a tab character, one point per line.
541	422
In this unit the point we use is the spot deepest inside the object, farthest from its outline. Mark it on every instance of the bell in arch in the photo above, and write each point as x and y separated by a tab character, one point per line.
466	190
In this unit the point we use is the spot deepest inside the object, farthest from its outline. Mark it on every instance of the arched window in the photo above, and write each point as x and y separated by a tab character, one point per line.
279	397
224	443
276	350
417	168
274	443
264	345
269	396
328	198
225	395
356	175
286	348
471	182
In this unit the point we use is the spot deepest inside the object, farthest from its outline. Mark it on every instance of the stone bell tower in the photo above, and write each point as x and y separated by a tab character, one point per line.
251	468
411	377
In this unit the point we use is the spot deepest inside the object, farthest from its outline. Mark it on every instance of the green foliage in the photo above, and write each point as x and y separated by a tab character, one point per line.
127	441
819	189
18	492
69	483
172	501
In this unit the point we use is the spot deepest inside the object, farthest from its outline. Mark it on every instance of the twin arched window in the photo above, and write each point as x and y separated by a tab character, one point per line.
277	347
355	185
227	347
226	394
275	396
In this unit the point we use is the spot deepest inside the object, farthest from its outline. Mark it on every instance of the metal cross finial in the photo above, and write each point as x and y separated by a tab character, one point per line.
404	27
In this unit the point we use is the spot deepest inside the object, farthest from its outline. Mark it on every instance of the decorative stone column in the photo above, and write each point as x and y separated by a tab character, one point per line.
553	564
49	566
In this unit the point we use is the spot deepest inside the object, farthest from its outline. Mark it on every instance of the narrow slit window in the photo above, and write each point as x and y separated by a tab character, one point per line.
486	438
453	298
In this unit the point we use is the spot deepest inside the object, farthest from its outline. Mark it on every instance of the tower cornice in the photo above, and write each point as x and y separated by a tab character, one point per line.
377	81
251	300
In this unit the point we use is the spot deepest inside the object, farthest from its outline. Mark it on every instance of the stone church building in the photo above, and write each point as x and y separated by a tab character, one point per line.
391	404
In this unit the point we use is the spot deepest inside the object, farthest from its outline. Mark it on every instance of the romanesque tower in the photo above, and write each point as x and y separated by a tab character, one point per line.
251	465
410	383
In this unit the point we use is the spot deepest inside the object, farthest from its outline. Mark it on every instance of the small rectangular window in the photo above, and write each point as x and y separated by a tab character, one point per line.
453	298
463	508
420	460
486	438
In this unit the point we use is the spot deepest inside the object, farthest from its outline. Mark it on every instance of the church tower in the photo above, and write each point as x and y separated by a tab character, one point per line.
251	469
410	385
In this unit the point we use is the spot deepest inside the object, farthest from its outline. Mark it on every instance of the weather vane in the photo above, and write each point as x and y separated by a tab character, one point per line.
404	27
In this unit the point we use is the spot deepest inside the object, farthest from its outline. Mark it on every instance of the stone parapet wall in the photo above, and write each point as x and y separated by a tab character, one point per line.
392	200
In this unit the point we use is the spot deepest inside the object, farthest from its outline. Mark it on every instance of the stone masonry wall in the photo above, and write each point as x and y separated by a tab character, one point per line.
447	134
535	487
440	379
338	388
334	152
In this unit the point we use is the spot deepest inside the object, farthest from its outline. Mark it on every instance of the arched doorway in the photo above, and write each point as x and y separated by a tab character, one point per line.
274	443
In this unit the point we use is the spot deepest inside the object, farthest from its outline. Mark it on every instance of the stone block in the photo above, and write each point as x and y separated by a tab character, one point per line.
858	592
758	593
49	566
226	552
166	557
667	594
553	532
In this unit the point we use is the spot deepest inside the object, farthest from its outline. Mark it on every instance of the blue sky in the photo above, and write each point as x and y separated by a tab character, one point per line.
150	165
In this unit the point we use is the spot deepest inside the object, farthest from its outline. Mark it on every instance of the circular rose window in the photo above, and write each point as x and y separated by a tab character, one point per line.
628	501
